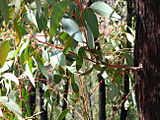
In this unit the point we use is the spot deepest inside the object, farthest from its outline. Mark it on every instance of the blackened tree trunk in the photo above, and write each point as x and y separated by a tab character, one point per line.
65	93
130	12
44	114
102	98
32	100
147	55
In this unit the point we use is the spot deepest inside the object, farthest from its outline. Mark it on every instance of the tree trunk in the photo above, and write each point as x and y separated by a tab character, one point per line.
147	55
65	93
102	98
126	77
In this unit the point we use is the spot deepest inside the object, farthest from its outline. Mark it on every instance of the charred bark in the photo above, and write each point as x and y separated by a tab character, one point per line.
130	12
147	55
32	100
102	98
65	93
44	113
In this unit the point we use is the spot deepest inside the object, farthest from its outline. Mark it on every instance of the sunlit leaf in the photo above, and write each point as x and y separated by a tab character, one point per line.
17	6
31	16
11	105
63	114
70	26
30	75
130	38
56	16
4	9
57	58
10	76
6	66
18	31
105	10
4	49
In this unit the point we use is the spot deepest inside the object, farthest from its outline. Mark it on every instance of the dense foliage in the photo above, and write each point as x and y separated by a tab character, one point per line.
47	45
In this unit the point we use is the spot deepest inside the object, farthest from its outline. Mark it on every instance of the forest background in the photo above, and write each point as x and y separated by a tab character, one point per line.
67	60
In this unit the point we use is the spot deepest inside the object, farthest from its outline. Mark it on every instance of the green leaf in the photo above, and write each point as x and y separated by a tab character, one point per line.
4	9
99	68
52	2
90	40
42	67
56	16
16	52
63	114
104	10
41	19
79	61
18	31
4	48
42	22
88	71
129	60
61	70
11	105
68	39
75	87
57	78
98	53
92	21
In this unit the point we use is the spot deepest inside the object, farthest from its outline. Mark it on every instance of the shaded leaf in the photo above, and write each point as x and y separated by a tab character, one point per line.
88	71
4	48
41	19
57	78
56	16
75	87
92	22
63	114
68	39
129	59
104	10
11	105
90	40
79	61
61	70
42	67
4	9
